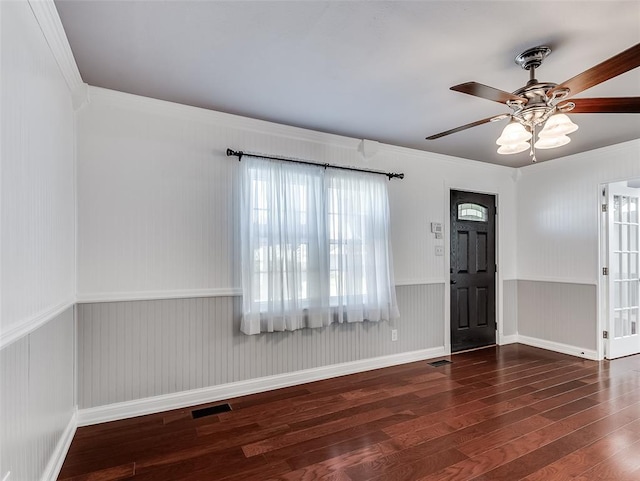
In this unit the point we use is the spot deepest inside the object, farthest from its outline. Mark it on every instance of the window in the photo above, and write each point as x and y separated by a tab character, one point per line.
473	212
315	247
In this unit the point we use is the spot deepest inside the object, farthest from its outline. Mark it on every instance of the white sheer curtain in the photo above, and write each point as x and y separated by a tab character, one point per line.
314	247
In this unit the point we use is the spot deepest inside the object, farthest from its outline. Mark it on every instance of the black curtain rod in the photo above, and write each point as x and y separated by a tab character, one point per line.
240	154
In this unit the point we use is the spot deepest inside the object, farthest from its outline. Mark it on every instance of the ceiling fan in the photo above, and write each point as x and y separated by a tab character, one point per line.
543	105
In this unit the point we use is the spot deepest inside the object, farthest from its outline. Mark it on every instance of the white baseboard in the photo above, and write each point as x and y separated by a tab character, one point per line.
512	339
56	460
166	402
558	347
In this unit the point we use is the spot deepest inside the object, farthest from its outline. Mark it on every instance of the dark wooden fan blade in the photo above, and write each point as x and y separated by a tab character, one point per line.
468	126
486	92
616	65
614	105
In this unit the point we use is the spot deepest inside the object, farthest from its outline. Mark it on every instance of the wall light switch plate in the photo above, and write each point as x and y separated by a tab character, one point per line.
439	250
394	334
436	227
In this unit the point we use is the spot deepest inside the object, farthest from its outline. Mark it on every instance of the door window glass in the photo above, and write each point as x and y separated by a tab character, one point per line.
474	212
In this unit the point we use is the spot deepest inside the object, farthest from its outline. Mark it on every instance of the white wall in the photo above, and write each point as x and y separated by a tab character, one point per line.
37	243
156	221
155	197
37	268
558	212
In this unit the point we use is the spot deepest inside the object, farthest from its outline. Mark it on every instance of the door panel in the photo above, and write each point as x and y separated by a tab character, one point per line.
482	254
472	220
463	252
463	307
624	264
482	295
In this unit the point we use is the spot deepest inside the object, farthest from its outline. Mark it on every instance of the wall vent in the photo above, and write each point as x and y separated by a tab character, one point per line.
210	411
441	362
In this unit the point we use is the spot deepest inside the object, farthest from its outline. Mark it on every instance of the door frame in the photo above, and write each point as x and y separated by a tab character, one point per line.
602	284
602	301
500	338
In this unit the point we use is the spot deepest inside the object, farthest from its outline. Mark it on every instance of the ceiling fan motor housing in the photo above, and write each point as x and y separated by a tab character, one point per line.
533	57
537	108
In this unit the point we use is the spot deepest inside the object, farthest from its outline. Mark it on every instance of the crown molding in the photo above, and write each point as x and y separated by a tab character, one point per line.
162	107
213	117
630	147
48	19
80	96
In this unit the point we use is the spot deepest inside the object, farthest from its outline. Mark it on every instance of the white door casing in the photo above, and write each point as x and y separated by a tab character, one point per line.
623	263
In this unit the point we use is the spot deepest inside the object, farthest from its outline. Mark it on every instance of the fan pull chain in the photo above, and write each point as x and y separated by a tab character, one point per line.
532	153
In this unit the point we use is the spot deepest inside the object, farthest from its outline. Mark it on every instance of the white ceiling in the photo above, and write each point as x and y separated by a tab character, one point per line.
373	70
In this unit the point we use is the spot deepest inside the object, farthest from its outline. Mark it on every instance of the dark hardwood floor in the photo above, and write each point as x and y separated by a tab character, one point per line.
503	413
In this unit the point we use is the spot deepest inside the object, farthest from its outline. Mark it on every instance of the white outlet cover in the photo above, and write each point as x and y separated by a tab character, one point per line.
439	250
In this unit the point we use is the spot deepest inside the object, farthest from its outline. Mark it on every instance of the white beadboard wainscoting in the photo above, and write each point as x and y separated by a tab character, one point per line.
37	420
37	247
141	349
510	308
558	313
558	316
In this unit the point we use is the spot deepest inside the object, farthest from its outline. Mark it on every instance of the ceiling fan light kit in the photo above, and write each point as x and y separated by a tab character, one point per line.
514	148
558	124
551	142
514	133
544	104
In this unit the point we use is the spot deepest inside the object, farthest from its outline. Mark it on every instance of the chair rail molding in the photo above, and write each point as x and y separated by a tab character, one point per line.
29	325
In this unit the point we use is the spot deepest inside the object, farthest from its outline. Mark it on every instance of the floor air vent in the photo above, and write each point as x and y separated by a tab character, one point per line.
441	362
210	411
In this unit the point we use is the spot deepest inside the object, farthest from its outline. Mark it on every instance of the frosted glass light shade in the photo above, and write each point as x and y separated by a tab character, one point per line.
514	133
513	148
556	126
551	142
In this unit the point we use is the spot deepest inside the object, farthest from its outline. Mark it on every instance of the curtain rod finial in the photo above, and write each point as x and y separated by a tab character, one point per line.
233	152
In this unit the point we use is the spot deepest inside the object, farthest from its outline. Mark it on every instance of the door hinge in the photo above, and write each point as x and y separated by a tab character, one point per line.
496	268
604	207
605	334
605	271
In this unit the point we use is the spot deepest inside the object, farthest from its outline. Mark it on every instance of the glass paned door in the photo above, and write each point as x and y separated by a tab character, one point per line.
624	267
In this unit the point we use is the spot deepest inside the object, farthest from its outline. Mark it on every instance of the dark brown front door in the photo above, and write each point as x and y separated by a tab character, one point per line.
473	267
